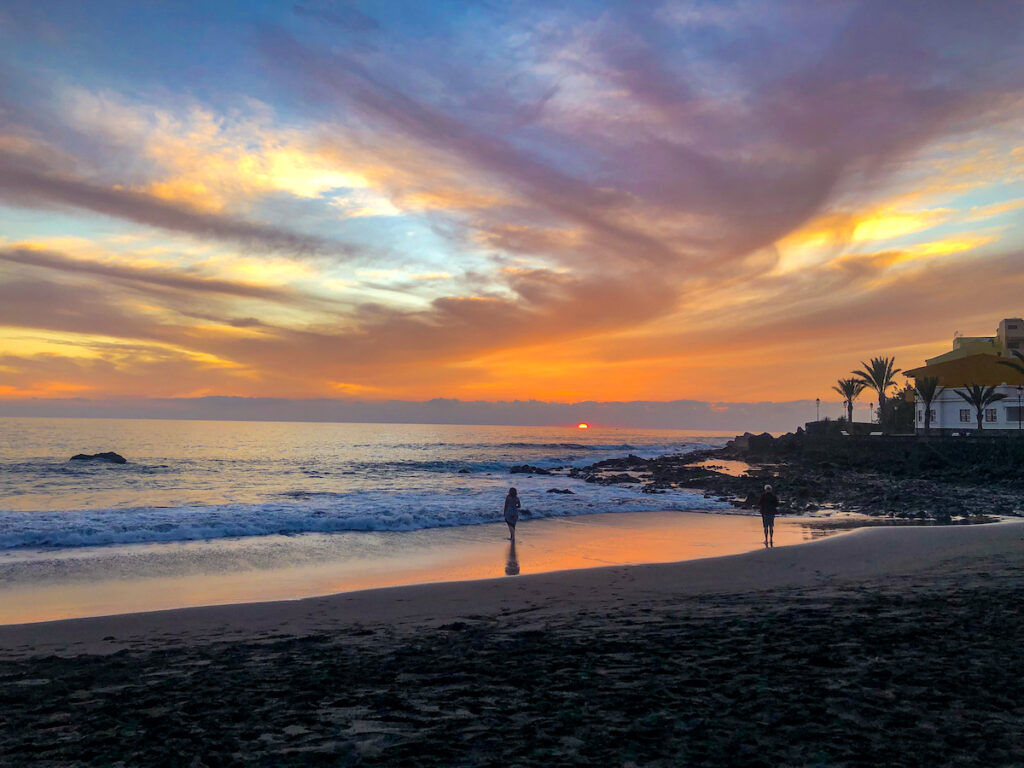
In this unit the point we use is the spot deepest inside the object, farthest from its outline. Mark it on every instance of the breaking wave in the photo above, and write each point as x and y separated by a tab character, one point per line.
302	512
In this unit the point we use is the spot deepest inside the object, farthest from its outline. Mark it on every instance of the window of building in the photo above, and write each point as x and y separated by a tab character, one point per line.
931	416
1013	345
1011	326
990	414
1013	414
965	415
920	417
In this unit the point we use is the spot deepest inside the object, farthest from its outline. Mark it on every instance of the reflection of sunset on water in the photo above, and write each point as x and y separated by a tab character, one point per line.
213	573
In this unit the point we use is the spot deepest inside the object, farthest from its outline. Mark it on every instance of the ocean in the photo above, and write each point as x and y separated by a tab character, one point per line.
207	480
216	512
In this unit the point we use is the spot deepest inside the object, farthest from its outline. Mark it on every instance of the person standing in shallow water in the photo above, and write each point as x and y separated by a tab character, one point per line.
769	504
512	506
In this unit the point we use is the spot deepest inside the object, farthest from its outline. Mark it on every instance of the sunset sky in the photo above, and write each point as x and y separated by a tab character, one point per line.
497	200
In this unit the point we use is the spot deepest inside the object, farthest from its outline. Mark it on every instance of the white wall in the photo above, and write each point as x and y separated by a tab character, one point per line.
948	405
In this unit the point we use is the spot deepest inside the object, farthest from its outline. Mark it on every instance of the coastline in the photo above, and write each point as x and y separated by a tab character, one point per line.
46	586
865	556
628	638
891	476
885	646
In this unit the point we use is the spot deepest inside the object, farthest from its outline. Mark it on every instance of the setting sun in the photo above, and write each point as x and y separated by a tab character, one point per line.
582	425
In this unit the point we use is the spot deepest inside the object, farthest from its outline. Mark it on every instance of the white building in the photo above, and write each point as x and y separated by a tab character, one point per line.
977	360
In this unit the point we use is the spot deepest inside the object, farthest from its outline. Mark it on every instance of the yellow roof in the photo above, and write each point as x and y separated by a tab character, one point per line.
985	370
965	346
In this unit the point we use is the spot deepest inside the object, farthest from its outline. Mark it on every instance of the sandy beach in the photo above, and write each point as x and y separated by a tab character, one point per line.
896	646
98	581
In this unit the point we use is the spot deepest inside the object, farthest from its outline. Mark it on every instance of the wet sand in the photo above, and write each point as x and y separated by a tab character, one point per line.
98	581
892	646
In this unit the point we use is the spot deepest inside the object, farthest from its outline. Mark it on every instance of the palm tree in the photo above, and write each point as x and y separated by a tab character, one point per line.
1017	365
879	376
928	390
849	389
980	397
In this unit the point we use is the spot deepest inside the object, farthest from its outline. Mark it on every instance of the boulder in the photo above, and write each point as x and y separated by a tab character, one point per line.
789	442
526	469
559	490
620	478
739	444
761	443
108	456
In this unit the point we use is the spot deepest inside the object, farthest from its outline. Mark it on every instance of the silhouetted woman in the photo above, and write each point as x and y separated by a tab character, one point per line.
512	506
769	504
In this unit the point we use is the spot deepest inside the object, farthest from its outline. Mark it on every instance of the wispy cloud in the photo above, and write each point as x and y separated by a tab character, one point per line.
612	200
26	187
148	276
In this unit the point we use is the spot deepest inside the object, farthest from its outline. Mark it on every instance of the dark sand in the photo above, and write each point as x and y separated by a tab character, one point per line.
883	647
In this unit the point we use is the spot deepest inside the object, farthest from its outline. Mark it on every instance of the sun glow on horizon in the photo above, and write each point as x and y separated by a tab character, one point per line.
581	240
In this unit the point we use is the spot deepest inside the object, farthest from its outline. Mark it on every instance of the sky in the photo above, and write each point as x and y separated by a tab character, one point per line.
712	201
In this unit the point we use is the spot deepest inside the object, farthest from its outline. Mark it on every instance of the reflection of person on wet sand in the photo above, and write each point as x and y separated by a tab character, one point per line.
512	506
512	563
769	504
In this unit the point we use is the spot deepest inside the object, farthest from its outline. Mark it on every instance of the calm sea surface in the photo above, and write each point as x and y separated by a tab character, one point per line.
192	480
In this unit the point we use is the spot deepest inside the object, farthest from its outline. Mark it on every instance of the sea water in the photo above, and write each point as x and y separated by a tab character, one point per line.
213	512
207	480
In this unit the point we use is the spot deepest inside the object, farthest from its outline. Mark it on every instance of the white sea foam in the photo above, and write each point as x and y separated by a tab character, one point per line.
187	481
327	513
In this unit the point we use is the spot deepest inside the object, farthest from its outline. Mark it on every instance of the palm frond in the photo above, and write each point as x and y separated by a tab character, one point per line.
849	389
1017	365
980	396
928	388
879	374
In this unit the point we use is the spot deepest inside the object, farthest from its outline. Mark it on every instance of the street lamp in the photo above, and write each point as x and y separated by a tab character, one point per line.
817	407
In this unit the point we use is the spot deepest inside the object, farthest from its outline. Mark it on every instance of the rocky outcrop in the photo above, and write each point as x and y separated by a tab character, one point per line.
526	469
764	447
895	476
108	456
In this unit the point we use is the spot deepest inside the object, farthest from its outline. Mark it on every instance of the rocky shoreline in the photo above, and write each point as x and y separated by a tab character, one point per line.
878	476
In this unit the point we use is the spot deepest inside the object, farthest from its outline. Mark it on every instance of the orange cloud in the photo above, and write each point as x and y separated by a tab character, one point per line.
601	221
44	389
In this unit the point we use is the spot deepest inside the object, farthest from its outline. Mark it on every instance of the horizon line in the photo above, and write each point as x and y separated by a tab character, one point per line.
696	415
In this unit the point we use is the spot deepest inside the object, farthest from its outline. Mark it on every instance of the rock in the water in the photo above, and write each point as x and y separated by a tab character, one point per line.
620	478
559	490
108	456
526	469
